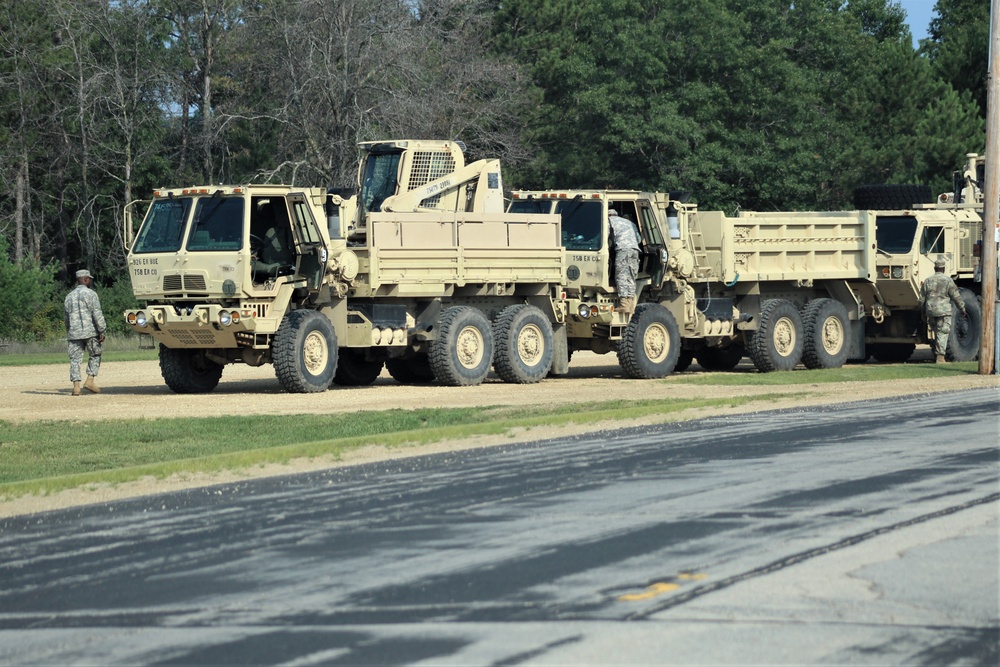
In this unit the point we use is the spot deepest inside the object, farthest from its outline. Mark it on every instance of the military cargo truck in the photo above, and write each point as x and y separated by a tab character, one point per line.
781	288
422	272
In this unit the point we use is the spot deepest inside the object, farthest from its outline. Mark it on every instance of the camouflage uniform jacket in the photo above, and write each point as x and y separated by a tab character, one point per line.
84	318
937	293
625	232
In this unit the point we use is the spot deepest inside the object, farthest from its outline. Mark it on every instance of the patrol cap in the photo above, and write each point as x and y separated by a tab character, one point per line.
83	273
940	264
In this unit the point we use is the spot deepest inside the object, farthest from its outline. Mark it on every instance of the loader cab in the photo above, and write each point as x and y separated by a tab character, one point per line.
391	168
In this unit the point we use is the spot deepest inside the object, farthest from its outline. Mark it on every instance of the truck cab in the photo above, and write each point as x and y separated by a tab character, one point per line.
590	255
210	262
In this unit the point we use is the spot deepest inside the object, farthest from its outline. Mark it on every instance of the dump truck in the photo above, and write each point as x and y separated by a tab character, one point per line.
420	271
818	288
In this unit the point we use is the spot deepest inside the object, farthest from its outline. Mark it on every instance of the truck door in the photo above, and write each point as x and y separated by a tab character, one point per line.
310	245
653	247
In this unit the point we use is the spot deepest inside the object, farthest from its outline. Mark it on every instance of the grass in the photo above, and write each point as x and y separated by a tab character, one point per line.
43	457
116	348
849	373
48	456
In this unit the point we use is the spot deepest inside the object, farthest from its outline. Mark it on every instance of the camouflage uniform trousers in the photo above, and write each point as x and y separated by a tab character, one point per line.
76	348
941	326
626	267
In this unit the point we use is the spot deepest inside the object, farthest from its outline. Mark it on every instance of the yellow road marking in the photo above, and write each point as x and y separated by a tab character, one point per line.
661	587
651	592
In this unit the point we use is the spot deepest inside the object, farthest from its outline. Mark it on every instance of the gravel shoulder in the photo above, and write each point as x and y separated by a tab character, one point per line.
135	390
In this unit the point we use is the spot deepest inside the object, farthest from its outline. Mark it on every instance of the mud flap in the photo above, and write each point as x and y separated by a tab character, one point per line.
560	351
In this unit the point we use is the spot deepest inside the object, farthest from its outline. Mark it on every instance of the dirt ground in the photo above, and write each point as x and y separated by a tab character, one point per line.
135	390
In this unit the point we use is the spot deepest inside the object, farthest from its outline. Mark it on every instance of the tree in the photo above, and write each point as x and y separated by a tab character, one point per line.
325	76
758	104
958	46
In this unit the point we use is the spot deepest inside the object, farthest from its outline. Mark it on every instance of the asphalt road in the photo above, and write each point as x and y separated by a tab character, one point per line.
862	534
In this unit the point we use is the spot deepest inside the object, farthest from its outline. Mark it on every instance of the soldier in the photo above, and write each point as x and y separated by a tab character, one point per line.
626	239
85	328
936	296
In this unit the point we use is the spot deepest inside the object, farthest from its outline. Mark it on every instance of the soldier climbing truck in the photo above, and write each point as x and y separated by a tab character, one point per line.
422	272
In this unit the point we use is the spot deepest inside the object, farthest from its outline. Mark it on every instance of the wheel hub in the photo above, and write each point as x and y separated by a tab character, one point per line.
530	345
315	352
833	335
784	337
469	348
656	343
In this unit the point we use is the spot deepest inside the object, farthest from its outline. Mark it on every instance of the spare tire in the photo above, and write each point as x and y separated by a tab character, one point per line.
891	197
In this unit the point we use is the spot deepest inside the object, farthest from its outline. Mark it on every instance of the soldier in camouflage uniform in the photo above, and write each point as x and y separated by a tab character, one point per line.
936	296
85	328
626	240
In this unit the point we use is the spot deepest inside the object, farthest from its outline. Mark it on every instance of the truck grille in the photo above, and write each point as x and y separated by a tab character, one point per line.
198	337
187	282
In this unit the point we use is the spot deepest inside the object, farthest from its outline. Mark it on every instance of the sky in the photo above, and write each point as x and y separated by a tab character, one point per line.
918	15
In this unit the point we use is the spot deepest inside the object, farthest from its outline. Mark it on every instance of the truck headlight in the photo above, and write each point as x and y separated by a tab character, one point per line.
140	318
225	319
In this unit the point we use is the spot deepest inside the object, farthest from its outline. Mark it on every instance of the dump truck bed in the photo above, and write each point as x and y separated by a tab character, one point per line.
416	254
790	246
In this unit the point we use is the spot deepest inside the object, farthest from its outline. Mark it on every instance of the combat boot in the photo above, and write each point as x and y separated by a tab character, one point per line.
626	304
76	387
91	386
939	359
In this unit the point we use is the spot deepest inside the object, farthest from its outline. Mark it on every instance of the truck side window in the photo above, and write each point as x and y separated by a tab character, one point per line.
304	223
932	240
650	228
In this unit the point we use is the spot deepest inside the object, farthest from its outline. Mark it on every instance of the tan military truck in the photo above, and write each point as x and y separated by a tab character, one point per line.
782	288
422	271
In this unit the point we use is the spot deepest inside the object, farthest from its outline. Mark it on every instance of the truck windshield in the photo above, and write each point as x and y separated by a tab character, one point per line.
379	182
894	234
581	224
163	229
218	224
529	206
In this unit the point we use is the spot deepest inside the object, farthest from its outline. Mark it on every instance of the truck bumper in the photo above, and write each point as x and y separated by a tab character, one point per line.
202	326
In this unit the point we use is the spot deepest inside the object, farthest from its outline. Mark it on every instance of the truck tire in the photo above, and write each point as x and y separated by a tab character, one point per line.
777	343
891	197
187	371
462	353
524	345
651	344
410	370
304	351
684	359
353	370
721	358
891	353
966	332
826	326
